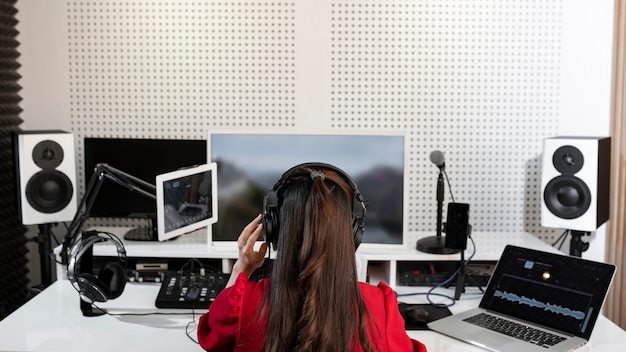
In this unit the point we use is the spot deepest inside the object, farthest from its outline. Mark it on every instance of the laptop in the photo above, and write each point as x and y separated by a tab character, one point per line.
548	302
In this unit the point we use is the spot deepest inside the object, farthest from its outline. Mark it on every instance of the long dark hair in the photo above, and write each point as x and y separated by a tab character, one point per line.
314	302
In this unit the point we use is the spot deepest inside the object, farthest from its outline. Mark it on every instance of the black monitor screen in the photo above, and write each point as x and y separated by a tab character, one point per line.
141	158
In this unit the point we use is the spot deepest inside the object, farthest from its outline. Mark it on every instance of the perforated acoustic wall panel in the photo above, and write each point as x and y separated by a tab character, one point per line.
477	79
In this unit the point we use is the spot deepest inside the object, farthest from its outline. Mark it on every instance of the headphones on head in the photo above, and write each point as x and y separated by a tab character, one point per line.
271	223
111	278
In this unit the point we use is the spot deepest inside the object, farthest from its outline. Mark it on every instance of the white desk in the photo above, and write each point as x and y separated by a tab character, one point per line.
52	321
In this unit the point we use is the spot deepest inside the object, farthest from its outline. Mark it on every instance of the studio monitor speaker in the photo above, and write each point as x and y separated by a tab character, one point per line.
575	182
45	173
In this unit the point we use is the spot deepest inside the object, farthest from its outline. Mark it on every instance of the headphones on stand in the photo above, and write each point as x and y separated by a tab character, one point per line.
111	279
271	223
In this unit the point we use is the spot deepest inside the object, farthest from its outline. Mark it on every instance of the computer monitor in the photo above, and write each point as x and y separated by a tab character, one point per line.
143	159
249	163
186	200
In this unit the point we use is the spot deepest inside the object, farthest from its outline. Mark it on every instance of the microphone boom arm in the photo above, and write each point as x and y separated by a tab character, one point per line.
101	172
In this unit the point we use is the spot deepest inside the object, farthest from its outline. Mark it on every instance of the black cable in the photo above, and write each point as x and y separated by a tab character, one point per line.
430	292
53	236
104	311
186	296
51	254
187	333
53	257
449	186
562	238
193	319
202	266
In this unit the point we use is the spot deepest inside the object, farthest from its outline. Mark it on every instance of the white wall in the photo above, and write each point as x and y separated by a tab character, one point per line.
587	66
484	81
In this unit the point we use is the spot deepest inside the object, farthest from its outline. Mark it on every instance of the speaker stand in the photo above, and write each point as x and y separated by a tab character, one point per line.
43	239
576	245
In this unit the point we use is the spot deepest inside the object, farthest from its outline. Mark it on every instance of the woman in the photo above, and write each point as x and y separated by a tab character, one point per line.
313	300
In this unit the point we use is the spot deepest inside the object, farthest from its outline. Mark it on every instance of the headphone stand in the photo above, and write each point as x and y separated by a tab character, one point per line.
89	311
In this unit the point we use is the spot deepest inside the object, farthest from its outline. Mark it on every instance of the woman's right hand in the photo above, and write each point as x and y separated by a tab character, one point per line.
249	258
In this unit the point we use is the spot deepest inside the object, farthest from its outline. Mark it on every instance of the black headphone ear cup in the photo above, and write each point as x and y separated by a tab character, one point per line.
92	288
270	218
113	275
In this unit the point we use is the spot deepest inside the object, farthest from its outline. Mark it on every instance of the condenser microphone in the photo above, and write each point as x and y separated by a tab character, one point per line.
436	157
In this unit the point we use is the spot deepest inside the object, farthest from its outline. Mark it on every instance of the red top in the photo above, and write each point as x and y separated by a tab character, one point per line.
230	324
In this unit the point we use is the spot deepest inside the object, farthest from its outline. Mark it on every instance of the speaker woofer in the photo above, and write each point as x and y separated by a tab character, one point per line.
49	191
567	197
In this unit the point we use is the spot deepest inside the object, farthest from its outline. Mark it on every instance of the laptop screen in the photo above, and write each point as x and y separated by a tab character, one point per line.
557	291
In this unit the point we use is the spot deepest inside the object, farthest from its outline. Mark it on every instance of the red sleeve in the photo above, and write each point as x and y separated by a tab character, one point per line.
394	333
219	327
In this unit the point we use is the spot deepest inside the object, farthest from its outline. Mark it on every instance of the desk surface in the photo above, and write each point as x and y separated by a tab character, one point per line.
52	321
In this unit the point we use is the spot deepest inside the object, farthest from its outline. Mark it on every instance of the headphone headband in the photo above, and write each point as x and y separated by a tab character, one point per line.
112	275
83	244
270	202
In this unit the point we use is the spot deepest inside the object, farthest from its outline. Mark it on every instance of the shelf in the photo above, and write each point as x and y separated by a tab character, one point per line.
375	264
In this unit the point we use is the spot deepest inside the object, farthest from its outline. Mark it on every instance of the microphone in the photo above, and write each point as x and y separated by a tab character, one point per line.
436	157
436	244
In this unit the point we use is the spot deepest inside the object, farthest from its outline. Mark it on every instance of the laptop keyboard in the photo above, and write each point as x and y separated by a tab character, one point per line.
516	330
